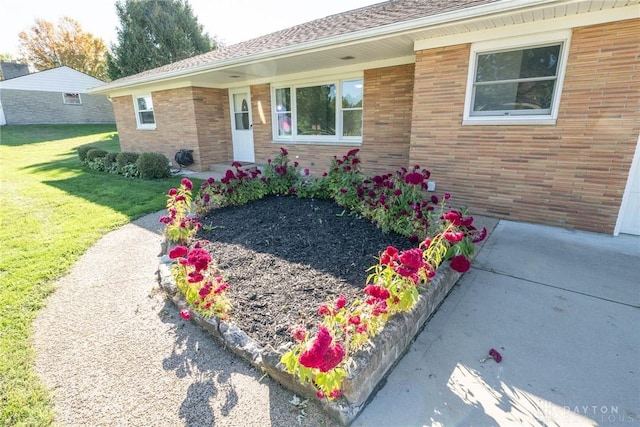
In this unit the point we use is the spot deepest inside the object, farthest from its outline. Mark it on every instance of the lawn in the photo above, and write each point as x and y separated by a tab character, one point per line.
52	209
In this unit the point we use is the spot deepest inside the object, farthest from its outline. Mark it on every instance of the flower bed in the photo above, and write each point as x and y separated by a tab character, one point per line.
345	356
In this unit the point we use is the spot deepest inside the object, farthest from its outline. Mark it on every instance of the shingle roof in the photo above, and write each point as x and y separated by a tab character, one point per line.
365	18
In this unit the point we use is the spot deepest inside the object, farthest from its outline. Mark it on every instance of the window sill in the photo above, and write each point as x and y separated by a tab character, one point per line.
347	143
146	128
508	121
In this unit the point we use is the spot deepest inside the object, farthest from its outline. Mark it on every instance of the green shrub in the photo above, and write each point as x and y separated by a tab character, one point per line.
125	158
95	153
153	166
83	150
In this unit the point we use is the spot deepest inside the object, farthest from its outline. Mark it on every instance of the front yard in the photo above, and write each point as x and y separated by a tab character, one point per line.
51	210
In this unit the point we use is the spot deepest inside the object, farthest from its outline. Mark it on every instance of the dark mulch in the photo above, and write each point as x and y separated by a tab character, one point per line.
284	256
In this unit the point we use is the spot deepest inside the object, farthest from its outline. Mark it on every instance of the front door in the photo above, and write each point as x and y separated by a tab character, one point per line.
241	125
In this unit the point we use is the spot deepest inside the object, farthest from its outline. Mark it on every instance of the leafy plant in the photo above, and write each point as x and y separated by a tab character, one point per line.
280	176
153	166
236	188
95	153
181	225
200	282
126	158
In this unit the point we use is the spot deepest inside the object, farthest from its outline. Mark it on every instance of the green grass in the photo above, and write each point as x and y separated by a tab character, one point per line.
51	210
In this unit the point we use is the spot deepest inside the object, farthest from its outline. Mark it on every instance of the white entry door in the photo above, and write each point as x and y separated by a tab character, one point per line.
629	216
241	125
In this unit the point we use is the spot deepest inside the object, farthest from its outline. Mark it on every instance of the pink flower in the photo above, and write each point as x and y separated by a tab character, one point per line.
447	196
173	192
341	302
334	394
236	164
185	314
178	252
283	151
320	394
187	184
195	277
354	320
324	310
460	264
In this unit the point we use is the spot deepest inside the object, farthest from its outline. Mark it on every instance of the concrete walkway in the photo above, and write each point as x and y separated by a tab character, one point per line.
563	309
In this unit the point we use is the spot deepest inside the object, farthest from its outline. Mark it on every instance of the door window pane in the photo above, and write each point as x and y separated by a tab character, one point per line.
241	111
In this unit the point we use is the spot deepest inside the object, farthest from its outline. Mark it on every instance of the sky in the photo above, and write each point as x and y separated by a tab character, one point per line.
231	21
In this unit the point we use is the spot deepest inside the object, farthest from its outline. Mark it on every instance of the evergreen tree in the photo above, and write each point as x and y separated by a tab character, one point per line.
153	33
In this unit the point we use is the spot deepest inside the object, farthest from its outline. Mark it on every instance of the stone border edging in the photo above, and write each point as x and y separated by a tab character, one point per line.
369	367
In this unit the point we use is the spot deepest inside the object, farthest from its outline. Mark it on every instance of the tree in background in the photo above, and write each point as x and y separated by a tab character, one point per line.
45	46
153	33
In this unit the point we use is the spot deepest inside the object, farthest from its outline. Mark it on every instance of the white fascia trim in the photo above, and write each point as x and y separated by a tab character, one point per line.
339	40
563	23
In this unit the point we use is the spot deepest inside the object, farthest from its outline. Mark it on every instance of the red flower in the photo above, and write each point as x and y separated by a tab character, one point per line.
480	236
341	302
412	258
173	192
324	310
186	314
460	264
378	292
322	355
236	164
414	178
435	200
454	217
283	151
199	258
298	333
205	290
334	394
195	277
454	236
187	184
389	255
178	252
495	355
354	320
220	289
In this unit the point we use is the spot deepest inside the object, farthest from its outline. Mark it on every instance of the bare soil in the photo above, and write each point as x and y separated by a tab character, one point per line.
284	256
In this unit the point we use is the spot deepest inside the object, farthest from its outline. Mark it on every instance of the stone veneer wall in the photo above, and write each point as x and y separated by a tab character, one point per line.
572	174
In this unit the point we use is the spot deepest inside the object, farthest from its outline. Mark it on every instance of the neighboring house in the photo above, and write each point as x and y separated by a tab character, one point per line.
527	109
56	96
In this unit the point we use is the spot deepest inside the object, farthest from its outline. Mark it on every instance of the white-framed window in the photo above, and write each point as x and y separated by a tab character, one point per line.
319	112
516	81
71	98
145	117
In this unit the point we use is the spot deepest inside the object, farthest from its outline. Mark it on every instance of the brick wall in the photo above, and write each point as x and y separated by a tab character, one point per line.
388	102
572	174
23	107
187	118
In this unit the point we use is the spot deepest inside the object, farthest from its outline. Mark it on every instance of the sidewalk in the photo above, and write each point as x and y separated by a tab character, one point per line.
563	309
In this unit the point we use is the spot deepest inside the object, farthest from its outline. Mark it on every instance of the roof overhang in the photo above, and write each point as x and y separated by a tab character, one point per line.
389	44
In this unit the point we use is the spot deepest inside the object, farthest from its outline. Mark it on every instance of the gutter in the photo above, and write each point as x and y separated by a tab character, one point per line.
337	40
